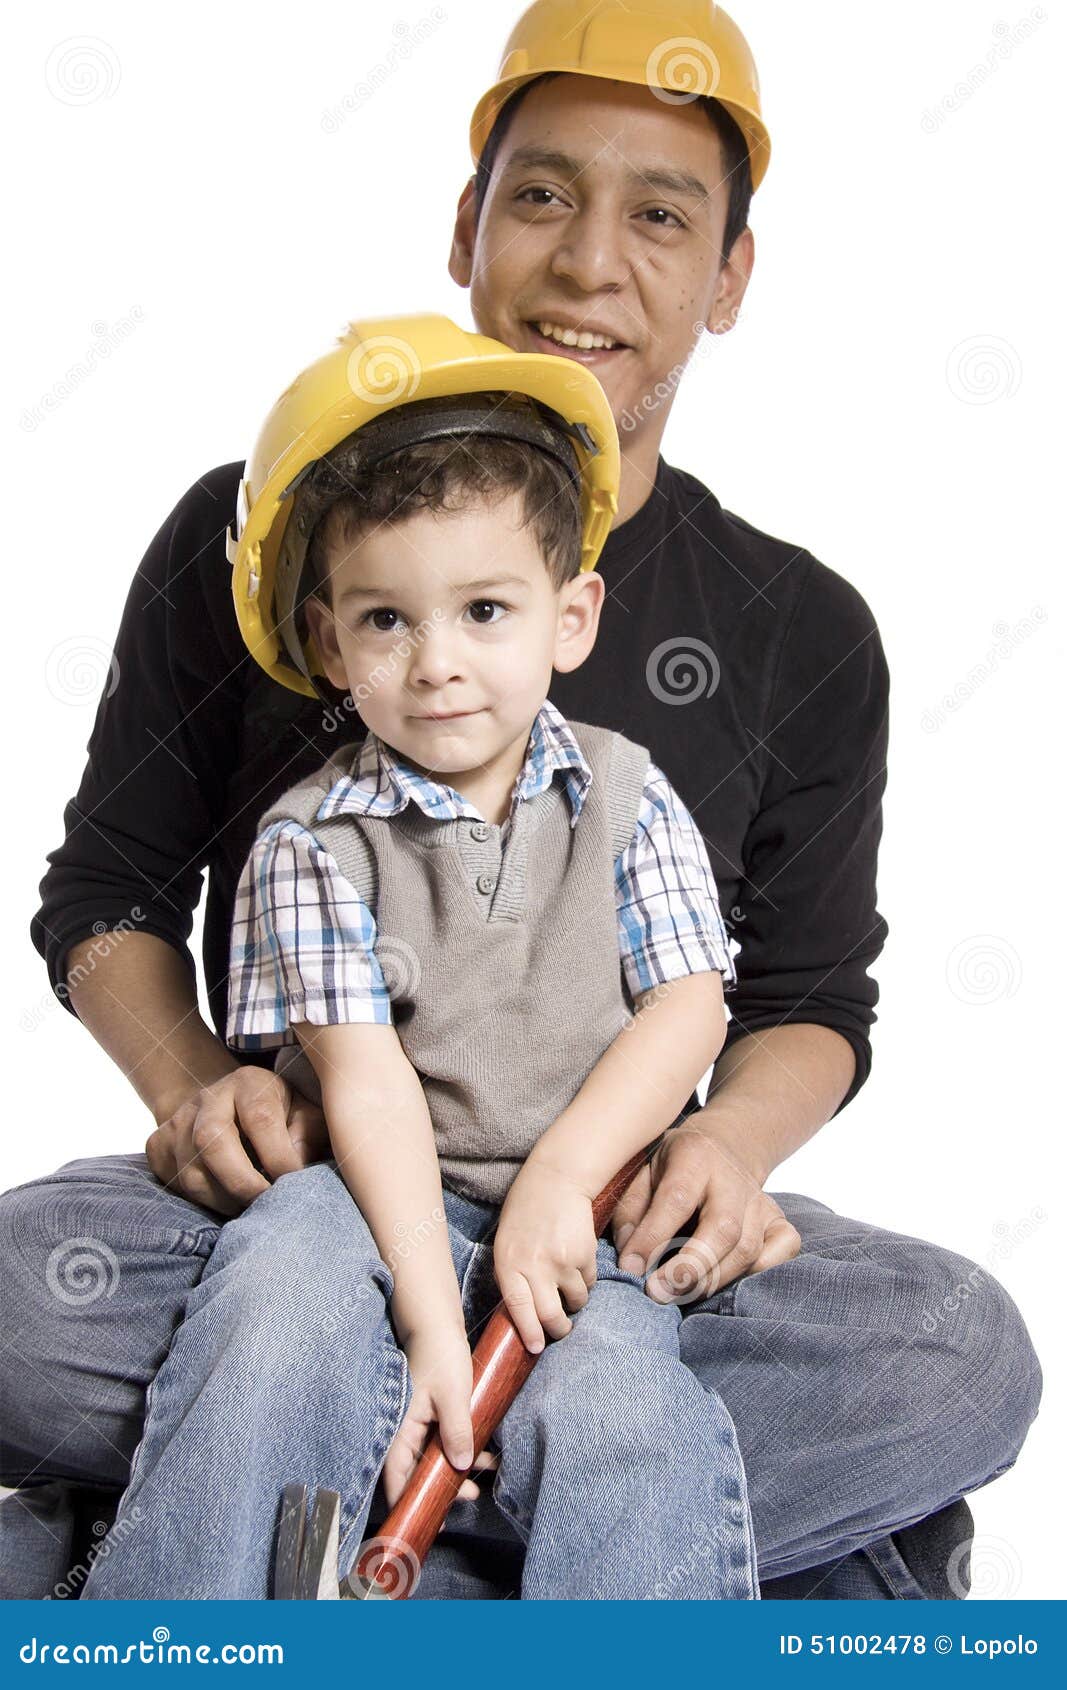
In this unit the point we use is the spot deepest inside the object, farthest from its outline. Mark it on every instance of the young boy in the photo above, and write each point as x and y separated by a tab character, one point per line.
489	941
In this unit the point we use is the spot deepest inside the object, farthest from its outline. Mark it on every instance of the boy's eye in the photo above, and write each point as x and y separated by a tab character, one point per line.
476	605
383	610
485	604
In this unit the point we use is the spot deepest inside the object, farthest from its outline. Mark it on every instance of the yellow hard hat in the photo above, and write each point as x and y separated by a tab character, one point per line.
685	47
380	366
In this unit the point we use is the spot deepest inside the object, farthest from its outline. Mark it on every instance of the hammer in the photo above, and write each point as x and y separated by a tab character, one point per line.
389	1565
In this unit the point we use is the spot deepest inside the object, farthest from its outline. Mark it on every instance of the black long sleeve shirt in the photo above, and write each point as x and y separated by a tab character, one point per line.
752	672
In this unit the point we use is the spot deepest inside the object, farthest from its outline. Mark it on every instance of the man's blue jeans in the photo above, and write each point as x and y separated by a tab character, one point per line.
197	1366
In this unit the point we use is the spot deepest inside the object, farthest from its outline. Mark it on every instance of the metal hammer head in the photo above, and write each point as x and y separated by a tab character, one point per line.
305	1561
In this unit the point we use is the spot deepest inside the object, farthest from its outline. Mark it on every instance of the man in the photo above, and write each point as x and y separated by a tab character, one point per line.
602	207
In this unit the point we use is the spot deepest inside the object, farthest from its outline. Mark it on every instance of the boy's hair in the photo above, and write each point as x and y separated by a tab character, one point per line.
347	499
736	162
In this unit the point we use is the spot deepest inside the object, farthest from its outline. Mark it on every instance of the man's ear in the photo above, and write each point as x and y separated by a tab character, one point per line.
730	284
461	257
323	631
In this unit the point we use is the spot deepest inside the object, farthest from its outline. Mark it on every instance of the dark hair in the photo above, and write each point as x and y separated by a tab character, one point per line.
736	161
347	500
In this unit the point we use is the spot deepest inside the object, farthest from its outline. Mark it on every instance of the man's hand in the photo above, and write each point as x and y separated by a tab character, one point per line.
203	1149
699	1170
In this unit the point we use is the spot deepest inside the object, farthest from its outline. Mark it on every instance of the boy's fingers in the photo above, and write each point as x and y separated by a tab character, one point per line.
456	1432
550	1311
520	1306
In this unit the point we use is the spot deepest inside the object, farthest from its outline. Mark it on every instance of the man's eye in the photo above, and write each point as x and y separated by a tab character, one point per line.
549	194
661	211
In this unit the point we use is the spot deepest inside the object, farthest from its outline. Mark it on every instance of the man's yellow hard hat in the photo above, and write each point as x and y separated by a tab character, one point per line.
683	48
379	366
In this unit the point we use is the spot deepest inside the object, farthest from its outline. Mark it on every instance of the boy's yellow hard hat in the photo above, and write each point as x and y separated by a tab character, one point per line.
378	366
684	48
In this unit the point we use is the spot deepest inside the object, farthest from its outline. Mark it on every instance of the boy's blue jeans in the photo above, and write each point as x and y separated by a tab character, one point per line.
794	1419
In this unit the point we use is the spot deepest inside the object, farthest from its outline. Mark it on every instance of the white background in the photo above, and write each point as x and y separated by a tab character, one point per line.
197	200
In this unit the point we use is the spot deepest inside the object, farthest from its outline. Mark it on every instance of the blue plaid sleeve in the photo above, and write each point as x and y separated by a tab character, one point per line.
301	945
670	924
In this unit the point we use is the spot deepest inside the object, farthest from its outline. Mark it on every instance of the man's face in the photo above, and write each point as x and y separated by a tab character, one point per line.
605	212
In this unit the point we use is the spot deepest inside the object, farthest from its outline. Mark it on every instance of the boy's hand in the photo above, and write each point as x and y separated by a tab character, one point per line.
545	1245
703	1171
202	1150
439	1360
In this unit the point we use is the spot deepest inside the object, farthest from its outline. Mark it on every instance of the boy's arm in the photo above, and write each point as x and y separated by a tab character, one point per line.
382	1137
640	1084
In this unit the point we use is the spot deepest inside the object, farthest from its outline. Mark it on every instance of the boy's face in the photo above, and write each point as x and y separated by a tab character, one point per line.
444	613
605	211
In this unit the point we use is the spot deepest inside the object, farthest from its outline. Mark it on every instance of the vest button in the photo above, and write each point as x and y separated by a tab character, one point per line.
480	830
485	883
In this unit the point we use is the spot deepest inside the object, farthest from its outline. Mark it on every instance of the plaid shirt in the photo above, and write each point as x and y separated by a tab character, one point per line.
302	945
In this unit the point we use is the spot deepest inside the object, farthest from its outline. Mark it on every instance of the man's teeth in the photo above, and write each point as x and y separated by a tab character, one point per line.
584	340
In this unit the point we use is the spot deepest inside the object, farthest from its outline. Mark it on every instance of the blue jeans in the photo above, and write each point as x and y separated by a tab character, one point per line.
196	1366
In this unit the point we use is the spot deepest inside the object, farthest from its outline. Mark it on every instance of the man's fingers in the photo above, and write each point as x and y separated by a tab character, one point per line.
781	1242
673	1203
259	1110
630	1209
217	1146
764	1241
177	1169
308	1132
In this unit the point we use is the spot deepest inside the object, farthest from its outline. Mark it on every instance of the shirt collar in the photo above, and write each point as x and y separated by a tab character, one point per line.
381	783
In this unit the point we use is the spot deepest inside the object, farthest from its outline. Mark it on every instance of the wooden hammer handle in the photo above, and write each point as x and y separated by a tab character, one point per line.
392	1559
